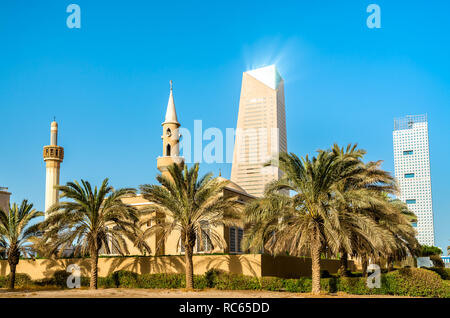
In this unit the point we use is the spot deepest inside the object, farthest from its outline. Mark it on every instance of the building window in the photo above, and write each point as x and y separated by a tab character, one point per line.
168	150
409	175
204	243
236	234
407	152
411	201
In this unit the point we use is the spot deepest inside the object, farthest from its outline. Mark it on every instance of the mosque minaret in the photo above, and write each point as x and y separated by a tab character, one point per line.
170	138
53	156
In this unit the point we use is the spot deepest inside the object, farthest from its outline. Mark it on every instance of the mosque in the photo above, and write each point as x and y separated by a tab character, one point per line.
232	236
261	106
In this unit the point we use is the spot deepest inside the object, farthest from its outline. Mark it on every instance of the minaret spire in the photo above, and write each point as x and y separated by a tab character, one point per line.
170	138
53	156
171	113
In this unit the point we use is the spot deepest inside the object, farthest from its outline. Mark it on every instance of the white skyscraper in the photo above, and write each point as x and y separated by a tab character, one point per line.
261	129
412	170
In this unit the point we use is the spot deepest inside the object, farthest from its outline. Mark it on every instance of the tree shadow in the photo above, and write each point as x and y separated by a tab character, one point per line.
145	264
54	264
246	264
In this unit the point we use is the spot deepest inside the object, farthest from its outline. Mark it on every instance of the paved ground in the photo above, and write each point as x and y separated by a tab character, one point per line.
165	293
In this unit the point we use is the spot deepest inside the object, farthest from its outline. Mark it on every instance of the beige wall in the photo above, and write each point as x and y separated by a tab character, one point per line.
247	264
293	267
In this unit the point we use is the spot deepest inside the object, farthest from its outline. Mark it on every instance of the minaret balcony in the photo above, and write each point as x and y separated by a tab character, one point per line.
53	153
165	161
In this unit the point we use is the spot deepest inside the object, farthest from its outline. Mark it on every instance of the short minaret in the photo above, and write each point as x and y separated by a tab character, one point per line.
53	156
170	138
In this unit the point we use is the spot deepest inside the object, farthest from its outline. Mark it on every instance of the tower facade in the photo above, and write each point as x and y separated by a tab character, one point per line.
412	170
4	199
53	156
170	138
261	129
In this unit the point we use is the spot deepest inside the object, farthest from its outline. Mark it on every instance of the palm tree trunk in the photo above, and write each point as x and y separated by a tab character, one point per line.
344	264
315	259
189	268
94	269
12	276
364	264
390	264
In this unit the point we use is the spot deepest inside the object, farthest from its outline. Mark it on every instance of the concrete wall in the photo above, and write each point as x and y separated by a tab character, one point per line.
246	264
294	267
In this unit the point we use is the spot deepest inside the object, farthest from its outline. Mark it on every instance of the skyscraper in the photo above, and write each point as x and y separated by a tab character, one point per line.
412	170
53	156
261	129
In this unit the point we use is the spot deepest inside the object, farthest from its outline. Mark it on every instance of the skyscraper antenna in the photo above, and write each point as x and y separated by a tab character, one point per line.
171	85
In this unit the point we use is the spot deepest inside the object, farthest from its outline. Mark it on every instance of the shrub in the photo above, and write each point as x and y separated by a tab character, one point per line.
443	272
300	285
3	282
102	282
22	280
200	282
426	250
60	278
237	281
86	281
161	281
437	261
211	276
414	282
272	283
329	284
123	278
355	285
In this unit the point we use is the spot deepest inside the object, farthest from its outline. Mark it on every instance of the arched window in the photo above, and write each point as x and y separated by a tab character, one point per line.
168	150
168	132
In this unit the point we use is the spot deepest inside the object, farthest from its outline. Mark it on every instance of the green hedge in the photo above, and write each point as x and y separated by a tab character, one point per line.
403	282
443	272
415	282
22	280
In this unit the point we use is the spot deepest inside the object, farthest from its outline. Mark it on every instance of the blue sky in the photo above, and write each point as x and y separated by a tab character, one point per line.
107	83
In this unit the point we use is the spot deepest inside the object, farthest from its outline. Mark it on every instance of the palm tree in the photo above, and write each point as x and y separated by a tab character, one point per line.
92	219
365	195
191	206
262	218
329	190
397	220
310	222
17	234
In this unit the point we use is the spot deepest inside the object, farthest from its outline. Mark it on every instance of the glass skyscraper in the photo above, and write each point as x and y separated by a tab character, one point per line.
412	170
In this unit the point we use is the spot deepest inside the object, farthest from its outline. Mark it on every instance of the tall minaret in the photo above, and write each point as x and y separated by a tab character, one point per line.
170	138
53	156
